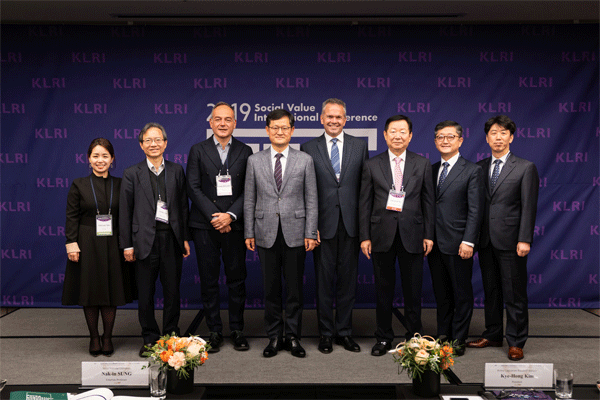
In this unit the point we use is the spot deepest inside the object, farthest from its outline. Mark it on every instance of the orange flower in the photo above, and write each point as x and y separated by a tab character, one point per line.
447	350
165	355
179	345
170	343
161	343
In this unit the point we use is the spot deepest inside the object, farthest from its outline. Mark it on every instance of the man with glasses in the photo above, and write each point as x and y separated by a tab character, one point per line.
396	221
280	221
511	194
153	227
216	172
459	197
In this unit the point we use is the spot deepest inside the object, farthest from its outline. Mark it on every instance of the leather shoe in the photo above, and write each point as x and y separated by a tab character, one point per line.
145	347
459	348
215	340
275	344
326	344
292	344
239	341
381	348
348	343
483	342
515	353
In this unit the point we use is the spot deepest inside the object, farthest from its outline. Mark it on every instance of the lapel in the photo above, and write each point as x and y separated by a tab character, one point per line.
289	166
171	184
408	168
345	155
234	151
486	174
267	168
386	168
434	174
325	160
506	170
143	174
211	151
453	174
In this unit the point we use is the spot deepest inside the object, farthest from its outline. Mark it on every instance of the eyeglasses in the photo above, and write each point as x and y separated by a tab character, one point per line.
219	120
441	138
157	141
284	129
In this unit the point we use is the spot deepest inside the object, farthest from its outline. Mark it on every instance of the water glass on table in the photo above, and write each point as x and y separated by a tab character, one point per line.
563	379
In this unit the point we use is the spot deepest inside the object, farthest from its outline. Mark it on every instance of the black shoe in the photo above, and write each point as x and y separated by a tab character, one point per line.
239	341
459	348
107	346
145	347
95	348
348	343
326	344
292	344
381	348
273	347
215	340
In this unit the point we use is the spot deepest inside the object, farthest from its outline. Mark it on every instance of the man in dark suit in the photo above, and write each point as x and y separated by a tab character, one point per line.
153	227
338	159
396	220
216	172
459	198
512	186
280	220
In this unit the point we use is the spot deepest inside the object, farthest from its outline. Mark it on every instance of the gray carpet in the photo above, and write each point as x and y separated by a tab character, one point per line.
46	346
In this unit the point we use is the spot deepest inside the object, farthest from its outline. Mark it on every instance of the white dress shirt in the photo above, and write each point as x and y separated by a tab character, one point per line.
283	160
450	162
393	165
340	145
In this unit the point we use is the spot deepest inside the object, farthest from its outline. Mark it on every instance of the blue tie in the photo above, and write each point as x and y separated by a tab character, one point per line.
278	171
443	175
495	174
335	158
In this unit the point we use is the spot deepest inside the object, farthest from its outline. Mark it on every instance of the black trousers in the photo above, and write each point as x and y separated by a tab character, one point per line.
165	259
453	290
504	276
212	246
287	262
411	274
336	272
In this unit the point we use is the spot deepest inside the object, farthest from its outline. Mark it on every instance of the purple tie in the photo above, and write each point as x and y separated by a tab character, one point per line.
278	174
397	174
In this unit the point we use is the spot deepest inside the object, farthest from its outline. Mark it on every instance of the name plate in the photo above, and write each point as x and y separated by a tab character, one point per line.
117	373
531	376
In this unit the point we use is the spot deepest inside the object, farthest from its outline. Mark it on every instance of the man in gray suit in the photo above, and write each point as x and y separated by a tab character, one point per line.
280	221
338	159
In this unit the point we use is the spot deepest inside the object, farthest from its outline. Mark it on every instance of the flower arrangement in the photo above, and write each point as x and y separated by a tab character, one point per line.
182	354
422	353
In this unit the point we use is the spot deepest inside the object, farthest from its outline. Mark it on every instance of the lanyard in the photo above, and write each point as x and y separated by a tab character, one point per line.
157	185
96	200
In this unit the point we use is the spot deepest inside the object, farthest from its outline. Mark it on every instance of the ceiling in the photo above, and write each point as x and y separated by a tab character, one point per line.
182	12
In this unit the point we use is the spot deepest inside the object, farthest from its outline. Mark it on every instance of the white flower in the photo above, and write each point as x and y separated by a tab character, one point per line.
177	360
194	349
421	357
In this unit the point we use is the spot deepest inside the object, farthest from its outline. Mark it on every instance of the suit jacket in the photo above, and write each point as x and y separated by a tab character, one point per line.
510	209
337	196
458	205
415	222
295	205
204	164
137	226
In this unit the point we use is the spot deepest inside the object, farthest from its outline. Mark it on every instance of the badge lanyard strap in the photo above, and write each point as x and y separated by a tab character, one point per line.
226	164
96	200
158	187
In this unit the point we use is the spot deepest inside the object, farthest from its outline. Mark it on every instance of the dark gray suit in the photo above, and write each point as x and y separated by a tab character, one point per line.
509	218
157	252
458	214
336	258
279	221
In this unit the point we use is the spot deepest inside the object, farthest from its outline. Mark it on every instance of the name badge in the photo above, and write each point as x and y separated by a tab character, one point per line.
224	185
104	225
162	212
396	200
537	376
114	374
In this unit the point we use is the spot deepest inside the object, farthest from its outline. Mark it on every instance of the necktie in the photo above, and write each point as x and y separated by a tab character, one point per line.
335	157
278	173
397	175
443	175
495	174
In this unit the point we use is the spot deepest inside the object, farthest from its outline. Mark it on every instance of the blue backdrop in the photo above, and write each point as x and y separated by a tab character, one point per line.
62	86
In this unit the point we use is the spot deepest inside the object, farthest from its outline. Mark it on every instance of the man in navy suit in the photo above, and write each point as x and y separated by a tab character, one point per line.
153	227
459	197
396	221
216	172
338	159
511	188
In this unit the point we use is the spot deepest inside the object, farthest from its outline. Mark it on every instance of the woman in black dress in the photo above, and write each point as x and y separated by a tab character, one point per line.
96	277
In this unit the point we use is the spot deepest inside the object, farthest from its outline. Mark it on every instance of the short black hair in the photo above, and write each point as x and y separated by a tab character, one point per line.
502	120
103	143
447	123
152	125
278	114
398	118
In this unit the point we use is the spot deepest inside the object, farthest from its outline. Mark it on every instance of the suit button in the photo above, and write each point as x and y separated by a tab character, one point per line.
214	201
278	214
279	199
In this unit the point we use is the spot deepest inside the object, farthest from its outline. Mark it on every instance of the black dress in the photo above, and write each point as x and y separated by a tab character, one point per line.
101	277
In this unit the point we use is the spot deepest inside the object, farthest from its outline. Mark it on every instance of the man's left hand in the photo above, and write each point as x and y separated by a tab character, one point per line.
221	220
465	251
427	246
523	249
186	245
309	244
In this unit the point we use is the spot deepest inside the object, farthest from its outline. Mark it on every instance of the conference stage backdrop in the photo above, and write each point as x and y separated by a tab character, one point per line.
62	86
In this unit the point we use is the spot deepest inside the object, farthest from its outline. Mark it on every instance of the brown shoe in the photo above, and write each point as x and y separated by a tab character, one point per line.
482	342
515	353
